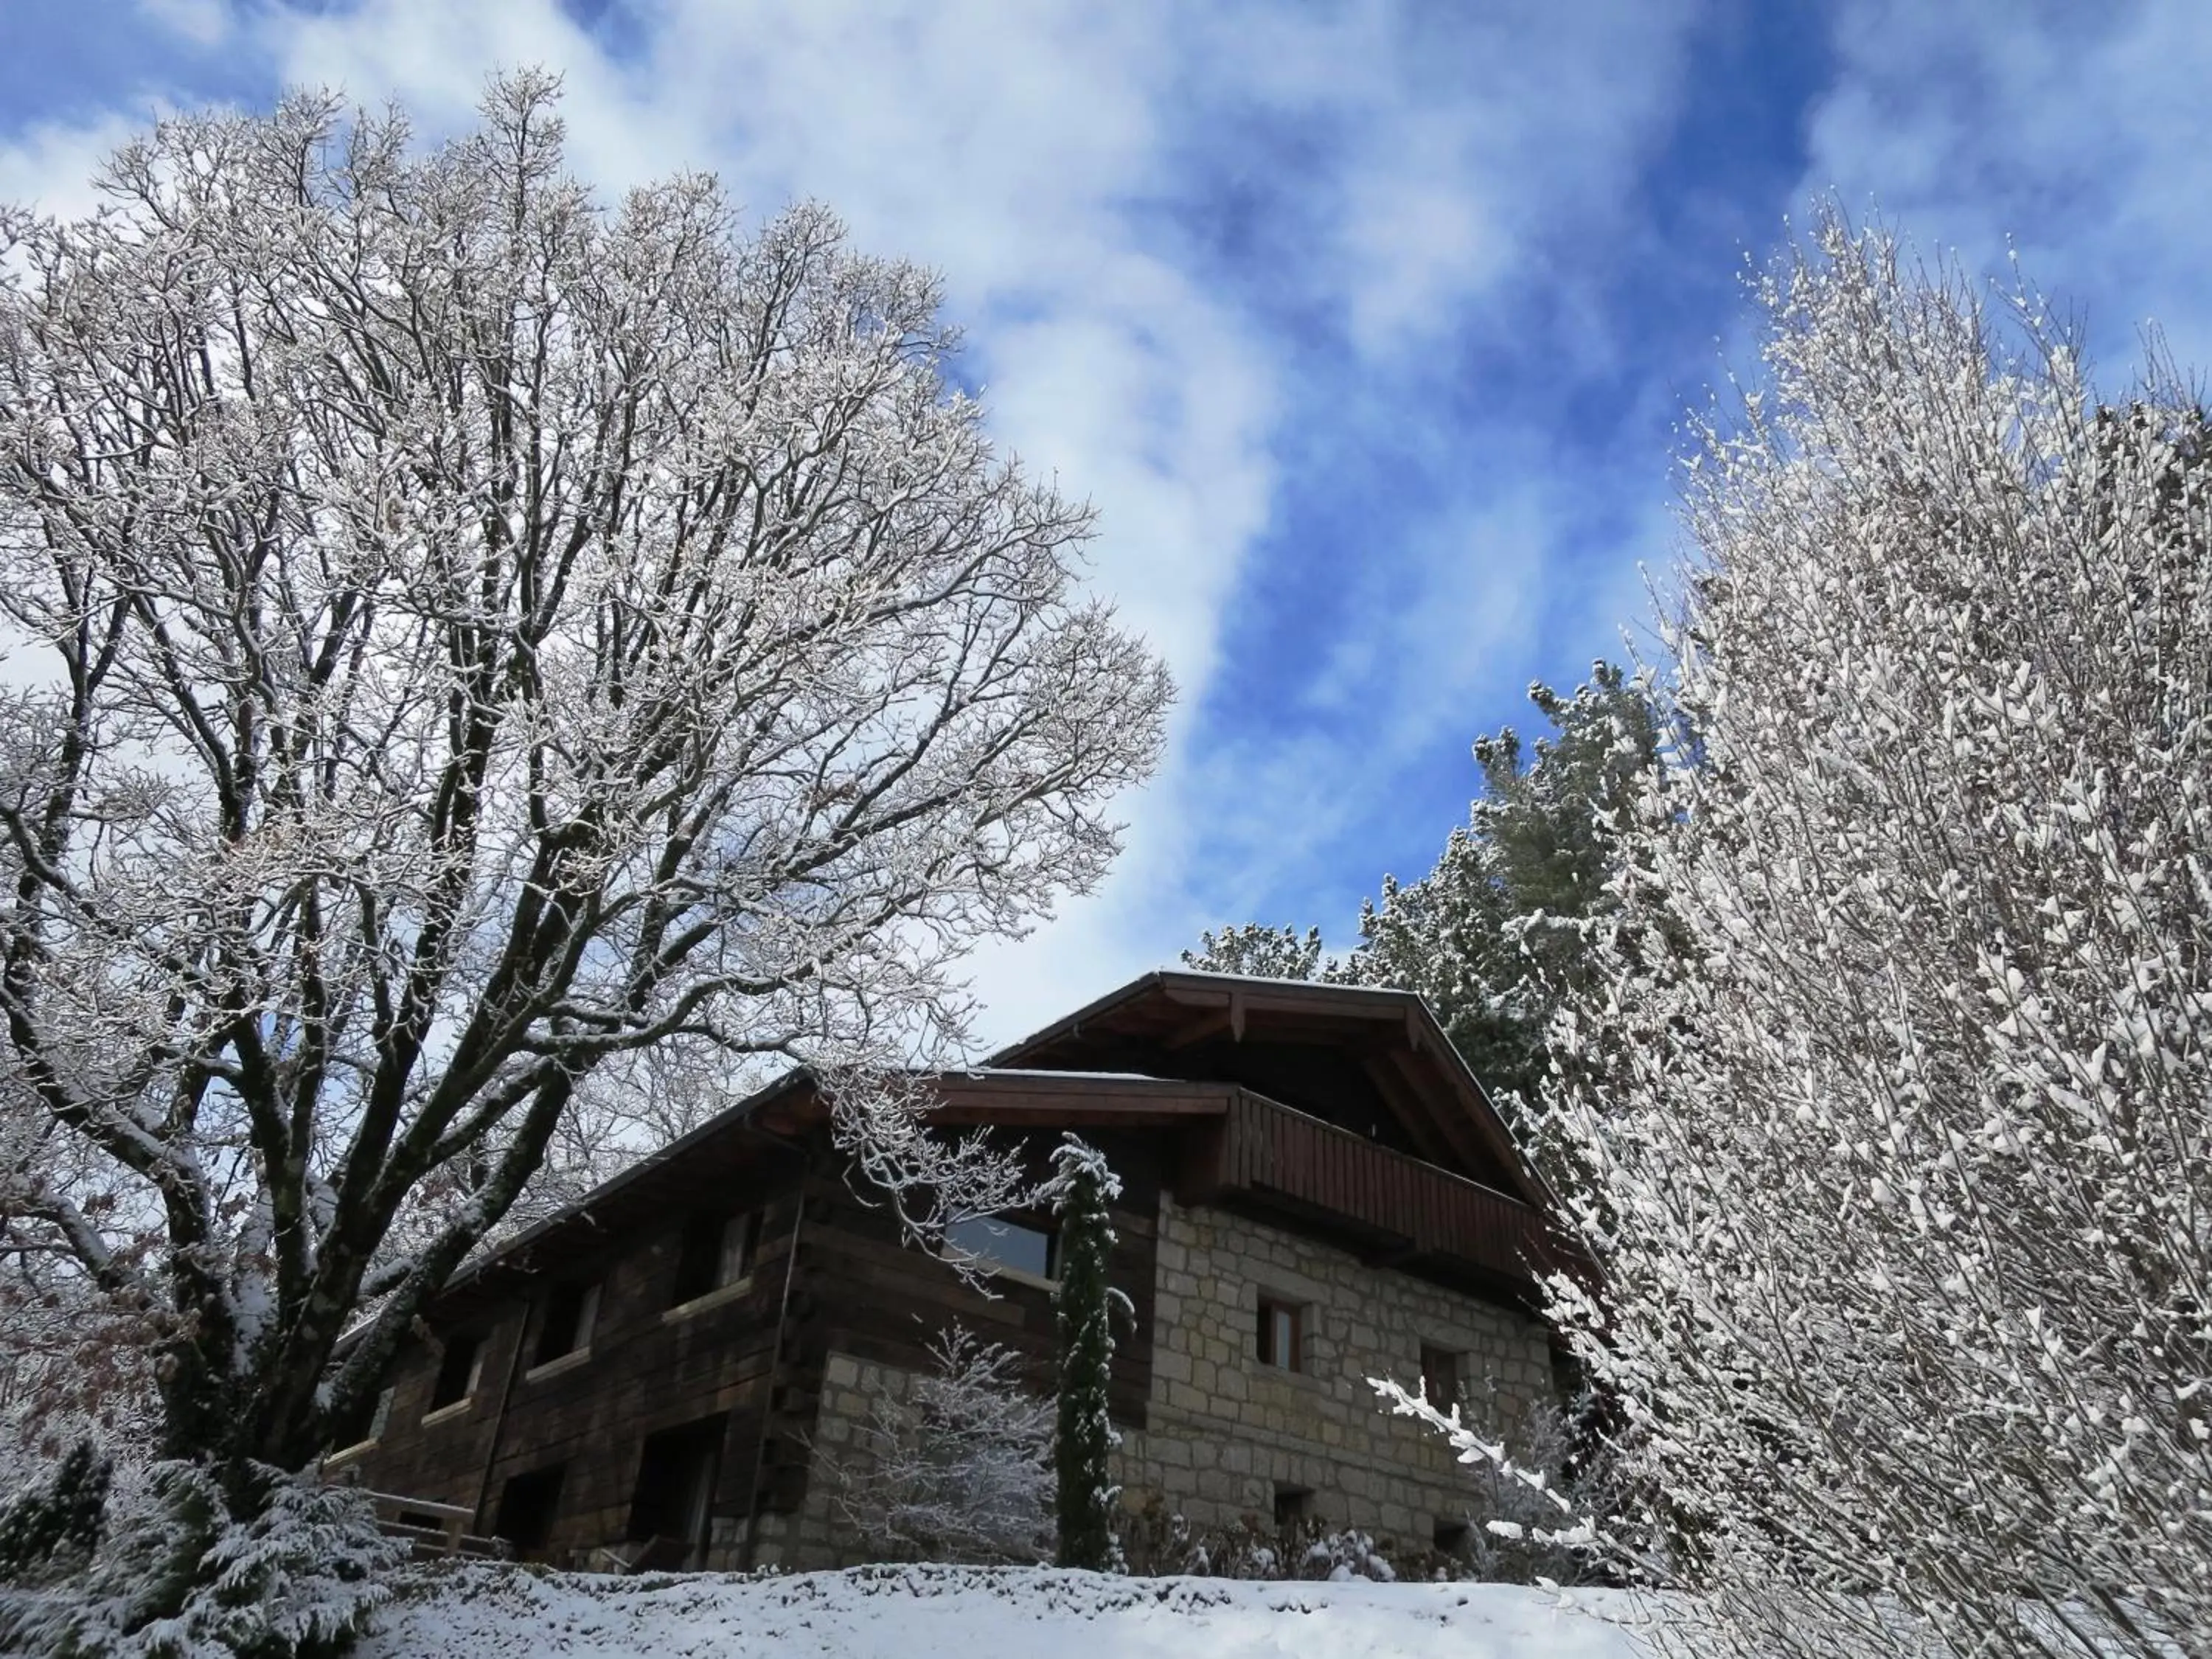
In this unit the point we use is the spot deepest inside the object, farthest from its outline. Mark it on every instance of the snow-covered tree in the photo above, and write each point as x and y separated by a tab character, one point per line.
61	1518
1263	953
1085	1302
1493	938
184	1574
958	1466
1904	1161
463	639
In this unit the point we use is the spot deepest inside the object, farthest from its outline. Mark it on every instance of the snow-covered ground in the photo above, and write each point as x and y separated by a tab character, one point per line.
952	1612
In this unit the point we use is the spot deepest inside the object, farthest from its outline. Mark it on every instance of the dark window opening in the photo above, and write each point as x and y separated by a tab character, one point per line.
1450	1537
1005	1243
1282	1334
675	1493
1292	1504
716	1250
364	1423
1440	1376
527	1505
567	1323
457	1371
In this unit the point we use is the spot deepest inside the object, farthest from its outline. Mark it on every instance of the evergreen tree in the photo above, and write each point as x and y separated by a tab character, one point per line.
1263	953
1495	936
62	1519
1081	1189
955	1467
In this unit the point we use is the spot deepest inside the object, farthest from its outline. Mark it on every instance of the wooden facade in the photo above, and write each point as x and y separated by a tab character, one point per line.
585	1397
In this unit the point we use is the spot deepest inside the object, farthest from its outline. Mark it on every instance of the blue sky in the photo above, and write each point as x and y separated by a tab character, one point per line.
1366	326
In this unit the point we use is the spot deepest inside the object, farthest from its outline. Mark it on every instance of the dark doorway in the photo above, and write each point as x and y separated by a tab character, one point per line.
527	1505
676	1473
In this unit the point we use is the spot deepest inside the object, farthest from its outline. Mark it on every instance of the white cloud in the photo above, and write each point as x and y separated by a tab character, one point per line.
49	167
203	22
2084	140
1040	156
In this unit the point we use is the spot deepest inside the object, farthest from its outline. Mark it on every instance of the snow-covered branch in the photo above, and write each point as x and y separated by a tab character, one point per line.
463	639
1900	1162
955	1463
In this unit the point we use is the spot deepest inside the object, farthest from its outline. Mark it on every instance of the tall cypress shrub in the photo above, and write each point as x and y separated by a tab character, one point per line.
1081	1187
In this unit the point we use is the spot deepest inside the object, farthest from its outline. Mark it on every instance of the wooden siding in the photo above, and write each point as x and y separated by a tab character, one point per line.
853	1287
1404	1209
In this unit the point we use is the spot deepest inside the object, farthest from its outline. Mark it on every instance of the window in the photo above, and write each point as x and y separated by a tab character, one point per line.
1292	1504
527	1505
1282	1334
716	1250
364	1424
1450	1537
566	1326
1005	1244
458	1372
675	1492
1440	1375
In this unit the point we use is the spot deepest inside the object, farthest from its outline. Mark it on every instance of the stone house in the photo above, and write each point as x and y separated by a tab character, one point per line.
1315	1191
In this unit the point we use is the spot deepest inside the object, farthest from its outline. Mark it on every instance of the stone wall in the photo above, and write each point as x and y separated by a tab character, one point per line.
815	1535
1226	1435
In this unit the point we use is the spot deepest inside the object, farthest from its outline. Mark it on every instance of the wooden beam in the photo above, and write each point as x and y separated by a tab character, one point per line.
1406	1106
1475	1156
1163	1113
1199	1031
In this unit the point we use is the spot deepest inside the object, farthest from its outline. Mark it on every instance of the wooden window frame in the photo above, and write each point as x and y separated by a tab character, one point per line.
1280	1315
441	1408
379	1417
737	1243
1454	1364
585	1325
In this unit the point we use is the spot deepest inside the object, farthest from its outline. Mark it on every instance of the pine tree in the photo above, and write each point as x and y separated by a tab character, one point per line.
1263	953
1495	936
1081	1189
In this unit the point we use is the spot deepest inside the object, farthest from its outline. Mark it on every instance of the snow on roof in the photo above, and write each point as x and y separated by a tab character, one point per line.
1057	1072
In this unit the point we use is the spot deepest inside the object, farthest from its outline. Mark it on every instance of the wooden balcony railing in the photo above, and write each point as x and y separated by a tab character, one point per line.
1402	1207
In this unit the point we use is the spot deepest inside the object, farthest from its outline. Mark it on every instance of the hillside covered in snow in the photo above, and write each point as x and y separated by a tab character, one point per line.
956	1613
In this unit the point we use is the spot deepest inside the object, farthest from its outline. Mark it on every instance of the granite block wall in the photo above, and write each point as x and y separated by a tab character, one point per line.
1226	1437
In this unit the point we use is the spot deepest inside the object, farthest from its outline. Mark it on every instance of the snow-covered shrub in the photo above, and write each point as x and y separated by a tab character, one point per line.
57	1524
1901	1167
1528	1519
1549	1499
185	1577
1340	1556
1084	1306
1514	1536
956	1465
1156	1542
